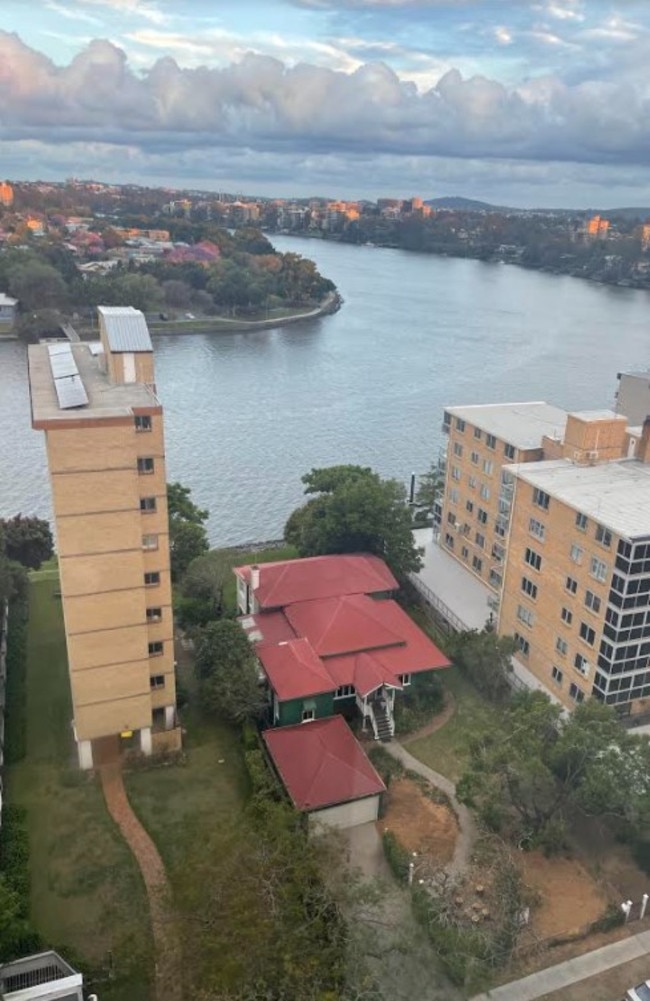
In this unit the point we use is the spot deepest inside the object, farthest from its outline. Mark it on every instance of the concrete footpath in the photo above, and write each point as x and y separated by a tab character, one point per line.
556	978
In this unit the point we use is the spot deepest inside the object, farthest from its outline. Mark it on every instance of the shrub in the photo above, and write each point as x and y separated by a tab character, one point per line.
417	704
396	855
612	918
387	766
16	705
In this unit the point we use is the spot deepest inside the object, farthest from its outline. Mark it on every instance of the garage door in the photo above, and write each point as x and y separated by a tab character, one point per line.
361	811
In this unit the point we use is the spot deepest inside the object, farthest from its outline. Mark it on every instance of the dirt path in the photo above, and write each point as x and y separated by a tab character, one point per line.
168	982
467	833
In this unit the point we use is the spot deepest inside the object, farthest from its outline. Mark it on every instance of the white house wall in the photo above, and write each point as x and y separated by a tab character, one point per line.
360	811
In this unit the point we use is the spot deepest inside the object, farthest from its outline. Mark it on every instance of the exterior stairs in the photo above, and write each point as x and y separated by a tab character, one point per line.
383	723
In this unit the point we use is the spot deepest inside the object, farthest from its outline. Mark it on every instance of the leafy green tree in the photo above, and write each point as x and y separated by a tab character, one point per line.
13	927
37	285
31	327
203	586
486	660
355	511
27	540
430	485
227	669
187	535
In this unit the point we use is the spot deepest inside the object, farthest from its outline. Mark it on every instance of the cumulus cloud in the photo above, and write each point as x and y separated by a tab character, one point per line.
260	103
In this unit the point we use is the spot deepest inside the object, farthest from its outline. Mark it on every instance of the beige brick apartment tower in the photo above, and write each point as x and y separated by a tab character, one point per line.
104	435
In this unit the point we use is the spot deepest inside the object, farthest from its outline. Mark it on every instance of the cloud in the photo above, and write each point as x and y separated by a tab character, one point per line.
138	8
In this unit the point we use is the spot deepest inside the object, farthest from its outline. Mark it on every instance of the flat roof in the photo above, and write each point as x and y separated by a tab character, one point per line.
126	329
105	398
616	494
597	415
520	424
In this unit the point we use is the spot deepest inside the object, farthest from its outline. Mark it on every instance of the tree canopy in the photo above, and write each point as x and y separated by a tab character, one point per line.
227	670
27	540
187	535
353	510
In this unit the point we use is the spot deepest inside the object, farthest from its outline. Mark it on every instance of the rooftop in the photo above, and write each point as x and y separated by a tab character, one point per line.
6	300
105	398
616	494
321	763
289	581
126	328
520	424
294	670
23	977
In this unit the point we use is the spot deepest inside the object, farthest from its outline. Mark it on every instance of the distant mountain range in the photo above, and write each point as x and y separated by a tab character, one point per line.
463	204
458	204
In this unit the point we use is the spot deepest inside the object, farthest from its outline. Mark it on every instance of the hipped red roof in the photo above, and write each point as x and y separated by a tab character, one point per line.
322	764
294	670
286	582
342	625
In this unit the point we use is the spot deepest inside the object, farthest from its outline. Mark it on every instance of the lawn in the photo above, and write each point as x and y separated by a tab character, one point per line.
446	750
87	897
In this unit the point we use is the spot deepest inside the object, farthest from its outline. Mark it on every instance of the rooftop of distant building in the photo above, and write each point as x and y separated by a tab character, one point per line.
616	494
520	424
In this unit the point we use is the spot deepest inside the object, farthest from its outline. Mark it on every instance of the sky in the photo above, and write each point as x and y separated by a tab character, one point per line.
531	103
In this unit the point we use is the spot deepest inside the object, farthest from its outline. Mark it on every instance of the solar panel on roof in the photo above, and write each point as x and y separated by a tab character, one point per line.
70	392
59	349
96	348
63	365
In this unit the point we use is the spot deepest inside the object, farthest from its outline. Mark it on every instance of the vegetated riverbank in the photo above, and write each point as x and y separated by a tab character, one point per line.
225	324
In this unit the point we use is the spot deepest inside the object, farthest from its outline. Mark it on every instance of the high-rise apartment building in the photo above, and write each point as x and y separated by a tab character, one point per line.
104	435
566	545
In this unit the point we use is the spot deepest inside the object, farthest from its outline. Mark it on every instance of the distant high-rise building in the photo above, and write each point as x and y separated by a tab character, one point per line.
103	427
6	194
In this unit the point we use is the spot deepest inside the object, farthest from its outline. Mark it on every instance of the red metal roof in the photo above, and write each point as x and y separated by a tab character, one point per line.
271	627
289	581
342	625
322	764
294	670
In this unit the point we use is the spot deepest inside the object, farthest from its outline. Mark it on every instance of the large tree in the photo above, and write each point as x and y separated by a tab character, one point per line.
27	540
228	673
187	535
354	511
486	660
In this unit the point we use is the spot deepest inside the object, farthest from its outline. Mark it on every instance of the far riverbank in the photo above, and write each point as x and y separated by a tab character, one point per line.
224	324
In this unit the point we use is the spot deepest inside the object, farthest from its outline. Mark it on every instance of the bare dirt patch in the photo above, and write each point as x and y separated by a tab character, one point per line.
569	898
419	824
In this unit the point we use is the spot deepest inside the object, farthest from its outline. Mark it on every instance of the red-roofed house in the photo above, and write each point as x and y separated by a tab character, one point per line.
329	639
326	772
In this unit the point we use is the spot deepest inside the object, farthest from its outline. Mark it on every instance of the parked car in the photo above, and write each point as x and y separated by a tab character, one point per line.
190	316
639	993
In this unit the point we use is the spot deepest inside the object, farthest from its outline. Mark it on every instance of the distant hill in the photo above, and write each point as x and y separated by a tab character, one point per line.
461	204
627	213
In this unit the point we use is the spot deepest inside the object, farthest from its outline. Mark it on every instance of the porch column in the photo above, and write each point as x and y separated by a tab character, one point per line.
145	740
85	752
170	714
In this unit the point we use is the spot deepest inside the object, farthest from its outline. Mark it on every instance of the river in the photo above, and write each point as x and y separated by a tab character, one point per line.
247	414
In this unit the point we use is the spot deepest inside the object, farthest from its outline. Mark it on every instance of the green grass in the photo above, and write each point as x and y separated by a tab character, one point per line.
87	897
447	750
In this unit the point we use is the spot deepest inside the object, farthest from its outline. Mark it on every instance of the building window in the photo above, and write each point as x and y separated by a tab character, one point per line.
592	601
522	644
576	553
455	473
576	693
474	457
557	675
587	634
533	559
446	421
509	451
477	433
536	528
571	585
148	505
157	681
464	553
145	465
495	578
604	536
498	552
449	541
488	467
541	499
490	441
460	424
528	587
525	615
307	715
154	614
598	569
451	518
458	449
581	664
469	506
149	541
156	649
453	495
485	491
142	423
581	521
472	482
566	616
152	579
405	679
482	516
480	540
344	692
477	564
561	646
